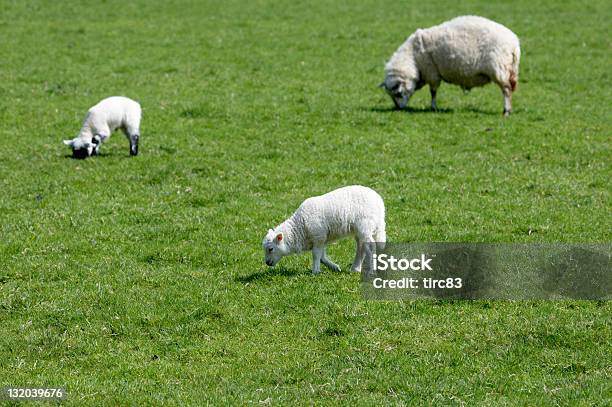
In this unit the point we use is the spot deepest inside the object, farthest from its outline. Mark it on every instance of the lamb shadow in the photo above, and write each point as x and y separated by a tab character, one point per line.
269	274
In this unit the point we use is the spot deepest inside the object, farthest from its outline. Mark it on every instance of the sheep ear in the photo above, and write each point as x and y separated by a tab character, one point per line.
279	237
69	142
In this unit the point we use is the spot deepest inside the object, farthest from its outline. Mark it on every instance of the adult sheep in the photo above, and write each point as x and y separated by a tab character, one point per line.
468	51
349	211
101	120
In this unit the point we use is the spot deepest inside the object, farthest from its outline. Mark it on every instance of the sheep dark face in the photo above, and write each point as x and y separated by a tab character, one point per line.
274	248
398	92
80	149
81	153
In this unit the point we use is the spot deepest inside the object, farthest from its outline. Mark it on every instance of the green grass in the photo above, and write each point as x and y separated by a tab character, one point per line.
137	281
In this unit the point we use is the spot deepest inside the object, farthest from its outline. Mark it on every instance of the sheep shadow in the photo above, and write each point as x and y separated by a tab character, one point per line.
73	157
393	109
425	110
101	156
270	273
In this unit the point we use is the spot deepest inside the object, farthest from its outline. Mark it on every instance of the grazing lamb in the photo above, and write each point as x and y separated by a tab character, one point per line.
104	118
350	211
468	51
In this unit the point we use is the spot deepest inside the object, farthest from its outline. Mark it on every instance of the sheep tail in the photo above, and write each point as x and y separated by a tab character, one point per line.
516	56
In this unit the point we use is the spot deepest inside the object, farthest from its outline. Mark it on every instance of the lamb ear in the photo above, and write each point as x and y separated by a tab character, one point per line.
279	237
69	142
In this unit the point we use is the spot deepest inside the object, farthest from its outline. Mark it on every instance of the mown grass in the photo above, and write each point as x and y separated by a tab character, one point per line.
141	280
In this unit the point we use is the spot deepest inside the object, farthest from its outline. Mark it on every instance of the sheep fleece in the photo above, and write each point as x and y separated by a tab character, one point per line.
466	49
350	211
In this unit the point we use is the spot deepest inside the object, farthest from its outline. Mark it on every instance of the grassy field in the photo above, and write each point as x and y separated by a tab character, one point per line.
137	281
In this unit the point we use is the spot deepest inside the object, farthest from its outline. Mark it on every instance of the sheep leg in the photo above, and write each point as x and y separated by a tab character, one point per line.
98	139
132	133
369	250
507	91
317	254
134	144
328	263
433	90
359	256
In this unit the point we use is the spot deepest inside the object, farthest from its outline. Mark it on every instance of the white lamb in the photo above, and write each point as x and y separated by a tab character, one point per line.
104	118
468	51
350	211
